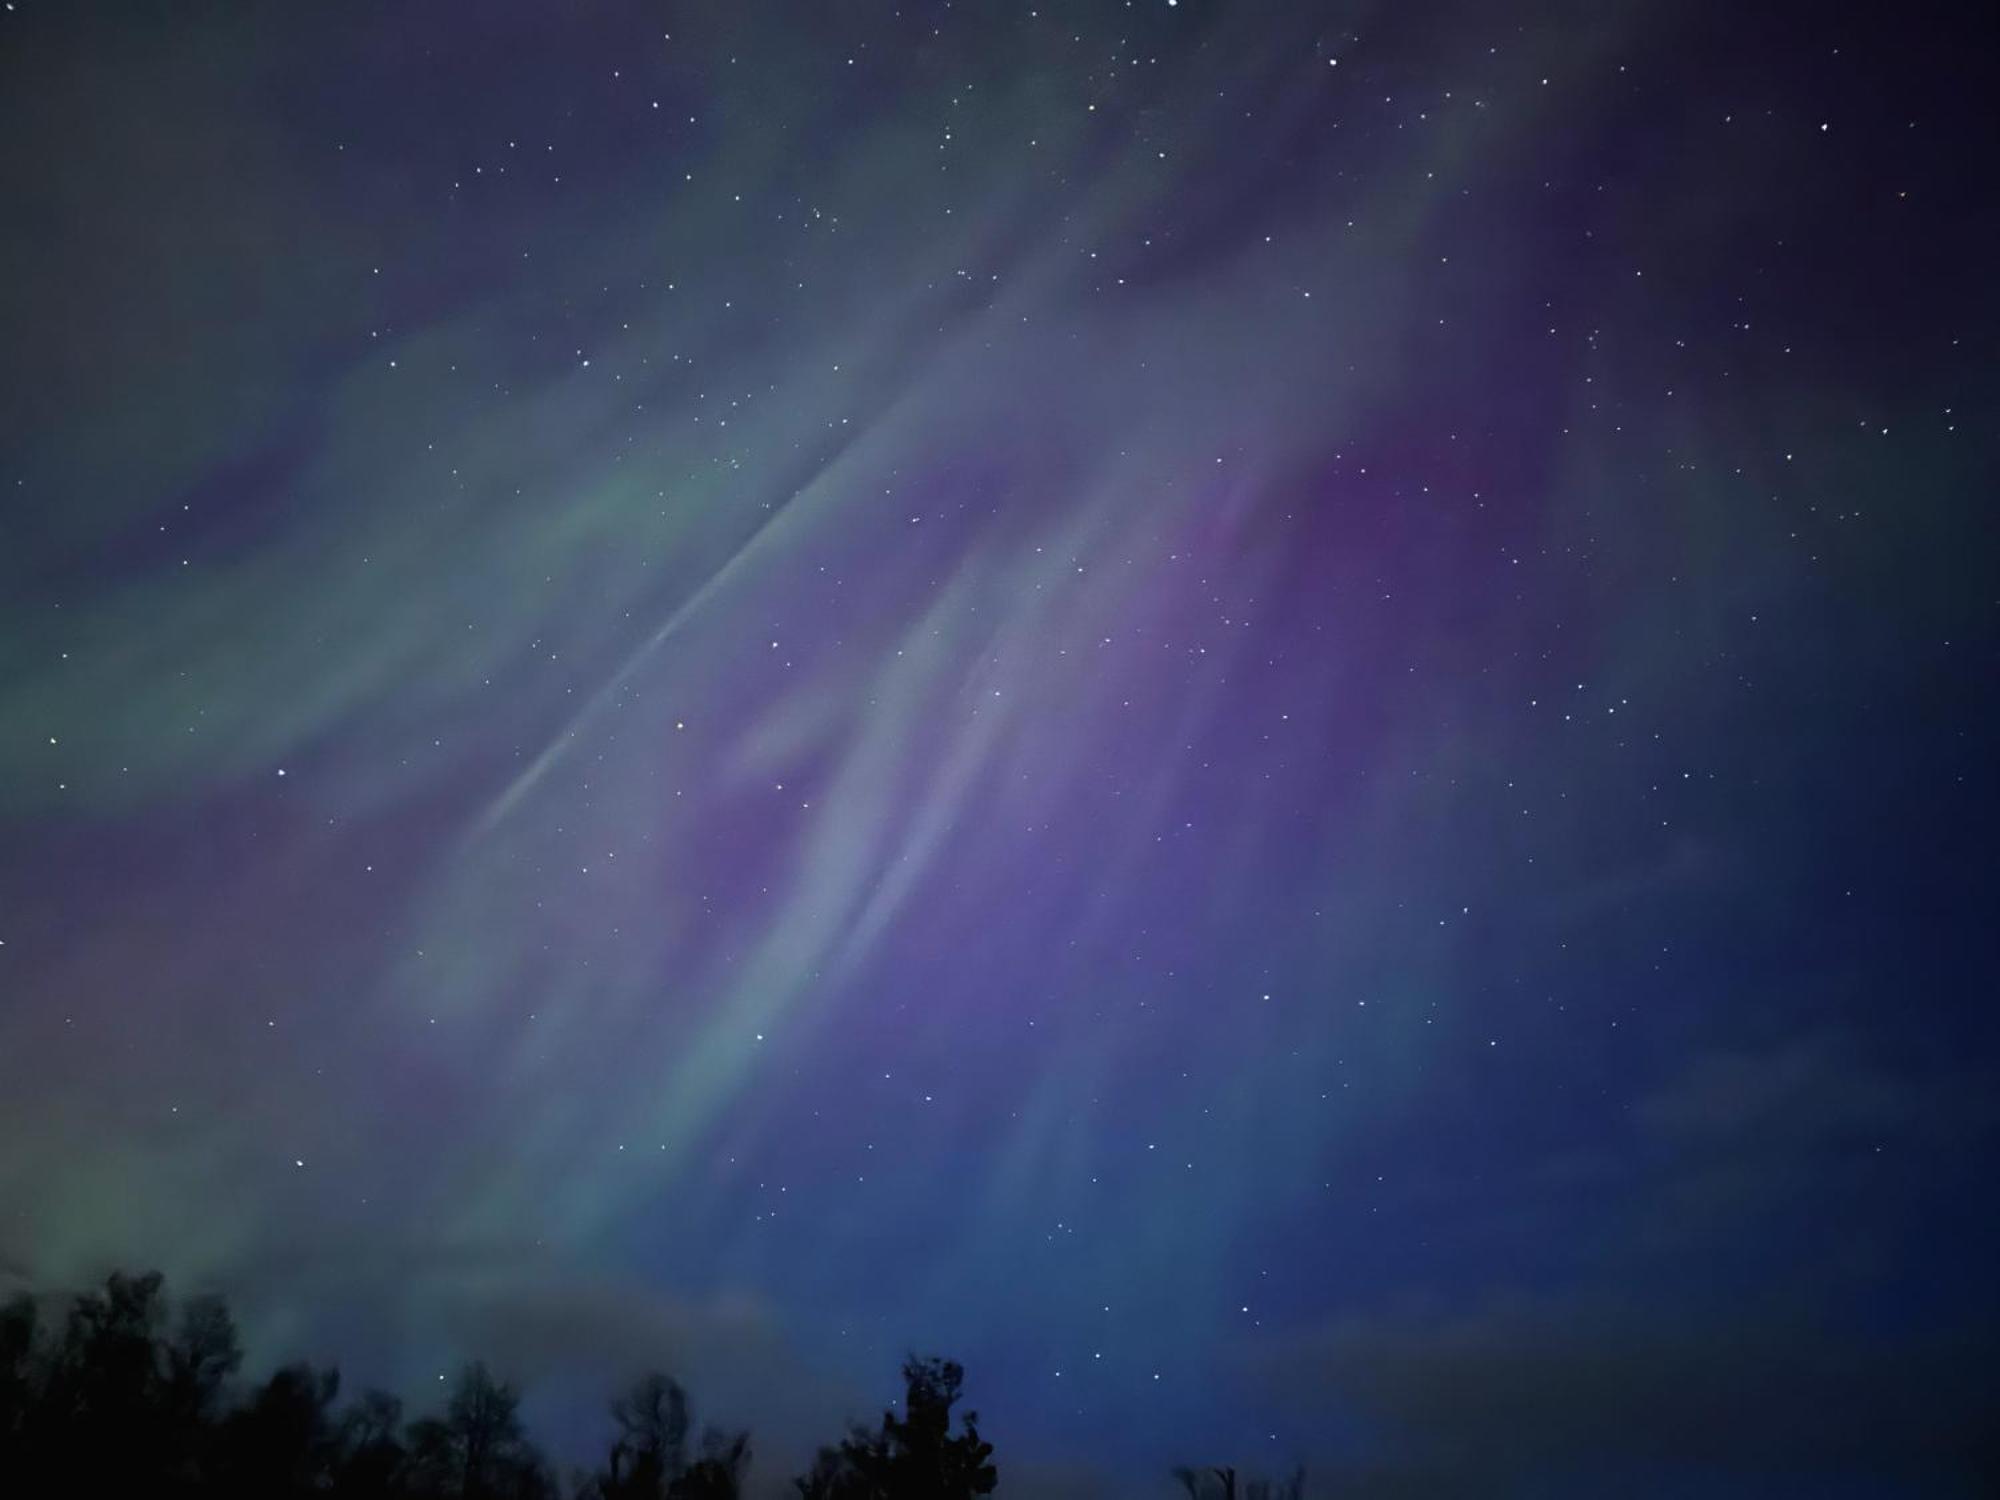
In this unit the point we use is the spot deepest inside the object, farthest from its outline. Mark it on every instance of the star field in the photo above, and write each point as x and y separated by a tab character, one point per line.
1276	718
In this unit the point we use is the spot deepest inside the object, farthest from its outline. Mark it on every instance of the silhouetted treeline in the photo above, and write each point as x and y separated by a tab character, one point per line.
124	1399
122	1396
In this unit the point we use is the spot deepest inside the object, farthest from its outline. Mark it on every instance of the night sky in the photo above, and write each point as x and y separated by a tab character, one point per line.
1277	719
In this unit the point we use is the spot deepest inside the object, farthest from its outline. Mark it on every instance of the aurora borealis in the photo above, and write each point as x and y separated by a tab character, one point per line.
1277	718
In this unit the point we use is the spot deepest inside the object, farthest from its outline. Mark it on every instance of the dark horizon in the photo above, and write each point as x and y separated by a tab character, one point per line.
120	1390
1276	719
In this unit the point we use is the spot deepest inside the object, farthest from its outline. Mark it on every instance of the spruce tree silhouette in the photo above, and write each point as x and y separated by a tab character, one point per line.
913	1457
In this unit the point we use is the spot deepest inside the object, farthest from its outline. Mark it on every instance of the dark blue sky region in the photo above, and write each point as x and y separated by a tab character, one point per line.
1278	719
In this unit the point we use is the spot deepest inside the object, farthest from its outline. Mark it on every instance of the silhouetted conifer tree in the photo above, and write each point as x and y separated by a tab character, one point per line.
912	1457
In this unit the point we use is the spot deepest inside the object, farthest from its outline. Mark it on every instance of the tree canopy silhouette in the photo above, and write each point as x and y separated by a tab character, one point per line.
912	1457
117	1394
649	1459
120	1399
120	1394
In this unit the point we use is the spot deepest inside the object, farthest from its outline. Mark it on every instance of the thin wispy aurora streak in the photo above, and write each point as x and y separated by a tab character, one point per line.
1275	718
